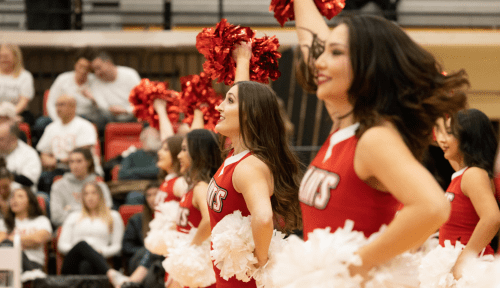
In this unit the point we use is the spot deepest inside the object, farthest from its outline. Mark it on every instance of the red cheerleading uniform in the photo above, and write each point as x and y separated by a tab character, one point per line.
331	192
167	189
463	218
222	200
188	216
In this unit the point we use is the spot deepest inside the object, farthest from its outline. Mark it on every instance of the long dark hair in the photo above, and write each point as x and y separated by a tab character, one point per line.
34	209
477	138
265	135
205	154
396	79
147	212
174	146
87	154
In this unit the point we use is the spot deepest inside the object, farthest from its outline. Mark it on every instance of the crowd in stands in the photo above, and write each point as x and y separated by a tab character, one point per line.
52	182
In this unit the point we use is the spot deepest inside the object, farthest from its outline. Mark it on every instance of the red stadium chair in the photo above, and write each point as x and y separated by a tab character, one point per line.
24	127
127	211
114	172
118	137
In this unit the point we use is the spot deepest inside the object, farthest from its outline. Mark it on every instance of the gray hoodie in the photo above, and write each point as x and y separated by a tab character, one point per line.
67	191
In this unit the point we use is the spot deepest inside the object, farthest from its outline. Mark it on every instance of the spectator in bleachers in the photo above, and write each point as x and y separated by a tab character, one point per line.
90	236
71	83
61	137
27	219
16	83
22	160
65	195
137	228
141	164
6	179
8	114
111	89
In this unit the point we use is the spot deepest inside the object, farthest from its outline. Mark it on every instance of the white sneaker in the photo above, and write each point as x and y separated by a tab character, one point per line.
117	278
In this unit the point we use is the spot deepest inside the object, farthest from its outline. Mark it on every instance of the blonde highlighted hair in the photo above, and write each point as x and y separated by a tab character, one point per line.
18	58
103	211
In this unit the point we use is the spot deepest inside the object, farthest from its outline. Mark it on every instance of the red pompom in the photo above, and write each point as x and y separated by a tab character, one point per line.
197	93
217	46
143	96
264	62
283	9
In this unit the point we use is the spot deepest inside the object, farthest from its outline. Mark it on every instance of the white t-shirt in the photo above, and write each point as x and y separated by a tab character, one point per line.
13	87
94	231
29	226
24	160
65	85
60	139
107	94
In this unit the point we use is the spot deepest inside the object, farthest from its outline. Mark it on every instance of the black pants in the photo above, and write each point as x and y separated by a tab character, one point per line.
84	260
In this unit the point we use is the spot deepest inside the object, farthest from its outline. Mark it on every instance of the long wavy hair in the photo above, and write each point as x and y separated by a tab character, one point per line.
34	209
395	79
103	211
205	154
477	138
264	133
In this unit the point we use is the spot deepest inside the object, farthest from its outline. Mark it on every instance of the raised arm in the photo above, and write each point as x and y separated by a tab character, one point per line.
242	54
425	207
200	203
477	186
166	129
253	179
308	21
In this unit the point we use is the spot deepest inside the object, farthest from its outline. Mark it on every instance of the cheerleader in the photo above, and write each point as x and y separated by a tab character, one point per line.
469	143
199	159
383	93
261	175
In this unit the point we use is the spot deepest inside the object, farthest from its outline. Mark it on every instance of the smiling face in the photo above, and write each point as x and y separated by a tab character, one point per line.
164	158
447	141
229	121
184	157
334	66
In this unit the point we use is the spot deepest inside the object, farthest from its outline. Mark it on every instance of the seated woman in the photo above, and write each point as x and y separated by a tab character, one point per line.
90	236
65	193
26	218
16	84
137	228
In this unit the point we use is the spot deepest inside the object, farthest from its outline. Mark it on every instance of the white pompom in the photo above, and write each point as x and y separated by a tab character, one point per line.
190	265
435	269
475	271
400	272
322	261
490	277
262	275
162	224
233	246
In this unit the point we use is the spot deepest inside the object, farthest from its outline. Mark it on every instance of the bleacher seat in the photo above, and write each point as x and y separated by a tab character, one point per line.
25	127
118	137
126	211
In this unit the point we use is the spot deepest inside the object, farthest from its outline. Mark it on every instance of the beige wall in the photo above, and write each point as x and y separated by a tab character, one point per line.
482	64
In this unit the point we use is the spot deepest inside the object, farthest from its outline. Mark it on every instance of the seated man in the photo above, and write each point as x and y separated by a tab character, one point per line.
111	89
60	138
72	83
21	159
